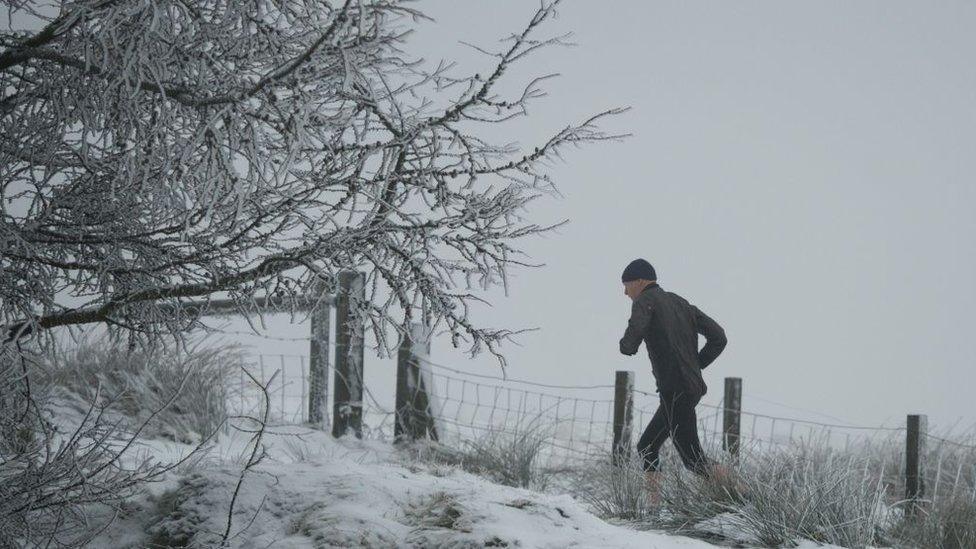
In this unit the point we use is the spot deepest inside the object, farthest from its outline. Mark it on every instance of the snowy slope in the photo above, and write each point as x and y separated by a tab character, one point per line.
317	492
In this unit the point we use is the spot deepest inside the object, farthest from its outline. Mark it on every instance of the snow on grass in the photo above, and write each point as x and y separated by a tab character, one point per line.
317	492
314	491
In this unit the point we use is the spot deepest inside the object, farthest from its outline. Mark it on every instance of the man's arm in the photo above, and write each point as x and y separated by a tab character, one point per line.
640	319
715	340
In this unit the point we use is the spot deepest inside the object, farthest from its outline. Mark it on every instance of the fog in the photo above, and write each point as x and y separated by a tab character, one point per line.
800	171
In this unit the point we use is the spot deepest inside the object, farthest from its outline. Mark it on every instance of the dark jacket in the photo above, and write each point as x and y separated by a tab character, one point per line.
669	327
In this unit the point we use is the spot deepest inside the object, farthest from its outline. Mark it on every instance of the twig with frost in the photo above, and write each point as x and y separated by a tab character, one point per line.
258	453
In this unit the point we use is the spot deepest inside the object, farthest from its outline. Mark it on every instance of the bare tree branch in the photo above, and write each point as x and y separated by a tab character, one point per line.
154	152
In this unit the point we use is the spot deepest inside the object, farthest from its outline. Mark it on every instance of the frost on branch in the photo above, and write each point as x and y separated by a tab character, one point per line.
155	152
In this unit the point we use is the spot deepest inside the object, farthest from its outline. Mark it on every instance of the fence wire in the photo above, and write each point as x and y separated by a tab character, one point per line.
575	423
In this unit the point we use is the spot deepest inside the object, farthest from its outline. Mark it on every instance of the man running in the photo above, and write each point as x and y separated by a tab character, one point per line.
669	327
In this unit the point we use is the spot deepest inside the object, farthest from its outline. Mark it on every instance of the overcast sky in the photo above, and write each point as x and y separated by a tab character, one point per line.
800	171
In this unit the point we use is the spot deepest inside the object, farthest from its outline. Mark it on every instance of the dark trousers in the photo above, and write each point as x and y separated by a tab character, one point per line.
675	417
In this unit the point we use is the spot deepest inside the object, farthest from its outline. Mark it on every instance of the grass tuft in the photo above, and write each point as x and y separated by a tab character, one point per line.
135	383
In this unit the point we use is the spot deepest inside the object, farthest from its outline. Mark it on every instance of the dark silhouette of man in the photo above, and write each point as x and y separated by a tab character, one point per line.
669	327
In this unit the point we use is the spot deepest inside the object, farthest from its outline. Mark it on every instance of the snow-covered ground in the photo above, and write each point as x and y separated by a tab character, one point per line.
314	492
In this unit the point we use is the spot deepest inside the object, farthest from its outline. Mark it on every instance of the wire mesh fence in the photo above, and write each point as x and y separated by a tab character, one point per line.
576	422
578	419
288	390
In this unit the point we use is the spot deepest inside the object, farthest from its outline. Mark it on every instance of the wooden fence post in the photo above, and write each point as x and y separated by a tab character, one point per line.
414	419
347	404
623	416
732	416
318	368
917	430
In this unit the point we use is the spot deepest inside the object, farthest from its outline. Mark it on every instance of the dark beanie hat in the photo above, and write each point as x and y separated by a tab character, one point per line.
638	269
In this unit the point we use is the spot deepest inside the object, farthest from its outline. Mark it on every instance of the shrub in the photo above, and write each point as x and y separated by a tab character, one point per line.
58	465
616	490
815	494
136	383
945	523
51	474
773	498
509	456
689	499
776	497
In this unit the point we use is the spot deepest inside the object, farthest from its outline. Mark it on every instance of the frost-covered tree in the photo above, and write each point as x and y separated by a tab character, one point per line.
154	152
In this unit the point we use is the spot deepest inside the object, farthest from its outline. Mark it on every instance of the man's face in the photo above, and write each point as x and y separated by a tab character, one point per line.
633	288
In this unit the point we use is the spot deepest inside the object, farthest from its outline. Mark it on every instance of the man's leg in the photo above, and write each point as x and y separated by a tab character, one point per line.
656	432
684	435
686	441
649	446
